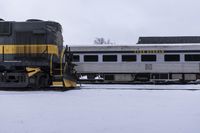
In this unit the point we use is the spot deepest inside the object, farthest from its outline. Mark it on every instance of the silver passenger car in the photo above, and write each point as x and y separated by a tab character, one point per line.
146	62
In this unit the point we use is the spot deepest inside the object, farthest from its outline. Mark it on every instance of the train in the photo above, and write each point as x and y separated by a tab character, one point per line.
32	56
153	60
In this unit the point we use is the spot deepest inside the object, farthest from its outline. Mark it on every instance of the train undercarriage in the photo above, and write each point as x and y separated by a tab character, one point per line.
24	76
141	78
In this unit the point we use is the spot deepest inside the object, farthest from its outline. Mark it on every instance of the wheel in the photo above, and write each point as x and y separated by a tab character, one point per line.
43	82
39	81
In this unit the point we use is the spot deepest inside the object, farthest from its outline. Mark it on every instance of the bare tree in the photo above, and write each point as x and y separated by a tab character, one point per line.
101	40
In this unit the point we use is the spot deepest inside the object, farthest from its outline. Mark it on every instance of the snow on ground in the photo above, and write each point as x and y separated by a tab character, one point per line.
141	87
102	109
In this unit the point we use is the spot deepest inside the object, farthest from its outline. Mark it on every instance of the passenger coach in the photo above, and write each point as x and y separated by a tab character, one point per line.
151	60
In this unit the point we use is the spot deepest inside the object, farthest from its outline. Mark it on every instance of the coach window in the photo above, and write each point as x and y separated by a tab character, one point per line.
109	58
91	58
192	57
172	57
129	58
76	58
148	58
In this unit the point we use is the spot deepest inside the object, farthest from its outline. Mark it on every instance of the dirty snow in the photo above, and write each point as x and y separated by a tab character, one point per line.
102	109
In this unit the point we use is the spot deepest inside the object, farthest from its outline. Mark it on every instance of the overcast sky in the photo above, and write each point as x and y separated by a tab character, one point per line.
121	21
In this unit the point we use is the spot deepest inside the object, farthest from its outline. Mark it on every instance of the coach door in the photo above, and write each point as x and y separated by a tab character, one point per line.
199	67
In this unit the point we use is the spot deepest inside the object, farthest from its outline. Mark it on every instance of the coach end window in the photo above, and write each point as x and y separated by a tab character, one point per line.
192	57
76	58
172	57
91	58
129	58
109	58
148	58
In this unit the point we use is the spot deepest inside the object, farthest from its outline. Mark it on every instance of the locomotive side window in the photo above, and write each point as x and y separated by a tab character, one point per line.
192	57
172	57
129	58
76	58
148	58
91	58
109	58
5	28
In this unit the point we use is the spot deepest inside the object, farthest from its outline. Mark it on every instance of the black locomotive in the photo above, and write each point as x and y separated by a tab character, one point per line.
32	55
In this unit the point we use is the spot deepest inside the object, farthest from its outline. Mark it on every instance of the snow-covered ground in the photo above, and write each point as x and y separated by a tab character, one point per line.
102	109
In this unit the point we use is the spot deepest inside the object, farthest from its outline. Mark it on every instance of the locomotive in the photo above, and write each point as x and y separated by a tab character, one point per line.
32	55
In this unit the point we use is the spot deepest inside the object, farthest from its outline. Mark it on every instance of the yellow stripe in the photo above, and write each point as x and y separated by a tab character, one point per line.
69	83
51	65
61	62
1	49
53	49
27	49
32	71
57	83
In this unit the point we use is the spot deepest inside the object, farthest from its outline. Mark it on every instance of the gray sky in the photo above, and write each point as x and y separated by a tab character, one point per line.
122	21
